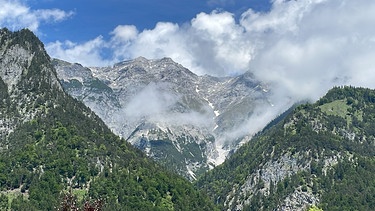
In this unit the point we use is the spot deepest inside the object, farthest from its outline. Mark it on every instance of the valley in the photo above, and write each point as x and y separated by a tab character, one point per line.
151	135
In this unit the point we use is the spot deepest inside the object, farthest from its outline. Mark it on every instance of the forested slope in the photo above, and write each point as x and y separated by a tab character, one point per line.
321	154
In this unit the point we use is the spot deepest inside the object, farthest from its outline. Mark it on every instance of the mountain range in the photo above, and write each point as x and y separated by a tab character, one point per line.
120	137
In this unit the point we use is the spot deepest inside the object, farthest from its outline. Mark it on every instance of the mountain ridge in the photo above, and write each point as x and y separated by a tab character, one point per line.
321	154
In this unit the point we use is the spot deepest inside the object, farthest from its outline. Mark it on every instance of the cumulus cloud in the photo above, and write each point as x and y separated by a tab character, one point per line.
309	46
88	53
299	48
220	45
301	45
210	44
16	15
155	43
124	33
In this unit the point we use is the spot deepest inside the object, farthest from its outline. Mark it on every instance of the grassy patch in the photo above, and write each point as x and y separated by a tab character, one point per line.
336	108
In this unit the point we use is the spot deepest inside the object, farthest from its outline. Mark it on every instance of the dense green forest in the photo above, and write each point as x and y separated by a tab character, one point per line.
57	150
49	156
332	142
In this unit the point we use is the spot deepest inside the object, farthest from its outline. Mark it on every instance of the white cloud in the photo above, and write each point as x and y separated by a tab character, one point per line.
124	33
152	100
301	48
309	46
88	53
16	15
211	44
51	15
163	40
219	44
156	102
285	16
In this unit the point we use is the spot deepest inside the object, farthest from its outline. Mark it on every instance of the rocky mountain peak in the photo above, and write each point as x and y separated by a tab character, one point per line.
140	61
23	58
188	117
157	68
28	79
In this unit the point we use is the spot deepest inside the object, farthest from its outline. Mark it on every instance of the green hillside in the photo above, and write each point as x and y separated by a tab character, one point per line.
321	155
52	145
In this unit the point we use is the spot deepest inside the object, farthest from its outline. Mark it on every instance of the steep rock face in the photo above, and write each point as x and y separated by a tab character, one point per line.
321	154
82	85
185	121
21	55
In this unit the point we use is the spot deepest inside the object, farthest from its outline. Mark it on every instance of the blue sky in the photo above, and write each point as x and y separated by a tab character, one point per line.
97	17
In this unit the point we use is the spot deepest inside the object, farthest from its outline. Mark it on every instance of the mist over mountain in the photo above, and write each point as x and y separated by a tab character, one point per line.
188	122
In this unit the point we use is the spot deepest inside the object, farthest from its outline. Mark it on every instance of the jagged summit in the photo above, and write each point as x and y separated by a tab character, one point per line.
158	69
139	60
146	63
31	61
77	71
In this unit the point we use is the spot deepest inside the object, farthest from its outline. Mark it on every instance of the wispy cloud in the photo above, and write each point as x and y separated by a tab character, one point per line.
16	15
157	103
152	100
